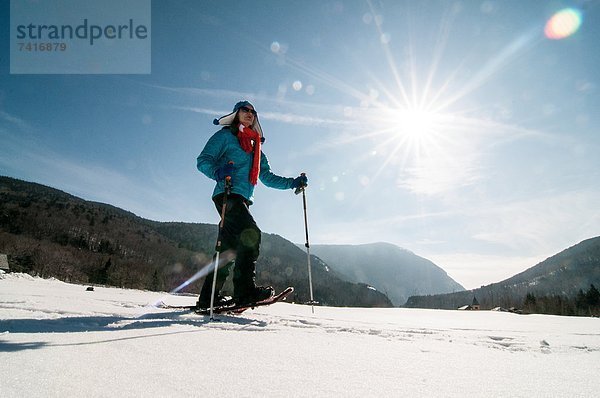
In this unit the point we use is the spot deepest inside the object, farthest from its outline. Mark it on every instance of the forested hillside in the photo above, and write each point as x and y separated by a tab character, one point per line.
565	283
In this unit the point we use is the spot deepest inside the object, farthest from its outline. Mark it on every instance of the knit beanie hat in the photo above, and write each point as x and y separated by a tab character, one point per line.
228	119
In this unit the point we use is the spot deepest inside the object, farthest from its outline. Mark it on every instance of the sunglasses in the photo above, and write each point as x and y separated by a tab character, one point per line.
245	109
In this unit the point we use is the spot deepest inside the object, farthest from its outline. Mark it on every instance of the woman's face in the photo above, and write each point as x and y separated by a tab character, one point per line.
246	115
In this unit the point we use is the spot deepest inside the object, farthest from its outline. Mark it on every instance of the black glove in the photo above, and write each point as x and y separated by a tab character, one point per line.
300	181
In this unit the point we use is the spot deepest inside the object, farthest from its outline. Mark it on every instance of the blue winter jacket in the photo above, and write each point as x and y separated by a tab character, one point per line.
224	147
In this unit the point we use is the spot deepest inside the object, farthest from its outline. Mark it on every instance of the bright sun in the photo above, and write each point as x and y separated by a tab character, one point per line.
413	130
420	143
416	124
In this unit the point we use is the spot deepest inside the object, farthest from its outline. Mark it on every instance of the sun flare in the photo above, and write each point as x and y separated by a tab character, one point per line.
416	124
428	149
412	130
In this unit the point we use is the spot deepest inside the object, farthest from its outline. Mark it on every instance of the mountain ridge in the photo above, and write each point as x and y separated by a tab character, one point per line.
398	272
558	280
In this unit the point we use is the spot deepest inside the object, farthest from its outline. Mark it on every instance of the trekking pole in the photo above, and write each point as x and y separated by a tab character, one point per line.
307	245
218	246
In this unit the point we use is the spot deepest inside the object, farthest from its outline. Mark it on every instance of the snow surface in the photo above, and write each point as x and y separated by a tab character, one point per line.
57	339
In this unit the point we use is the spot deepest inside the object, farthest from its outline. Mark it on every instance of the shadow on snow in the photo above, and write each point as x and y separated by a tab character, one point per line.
75	324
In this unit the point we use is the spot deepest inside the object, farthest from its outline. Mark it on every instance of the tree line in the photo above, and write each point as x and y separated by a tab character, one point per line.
586	303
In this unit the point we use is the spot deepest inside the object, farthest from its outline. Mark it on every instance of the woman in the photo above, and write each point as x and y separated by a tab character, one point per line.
235	151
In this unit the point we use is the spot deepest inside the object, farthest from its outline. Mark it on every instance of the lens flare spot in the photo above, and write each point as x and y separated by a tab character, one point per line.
563	24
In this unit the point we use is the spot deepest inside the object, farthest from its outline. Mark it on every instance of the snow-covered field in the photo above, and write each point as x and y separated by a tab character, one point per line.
57	339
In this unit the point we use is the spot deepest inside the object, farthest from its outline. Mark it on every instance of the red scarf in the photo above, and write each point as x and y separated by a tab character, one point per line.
247	137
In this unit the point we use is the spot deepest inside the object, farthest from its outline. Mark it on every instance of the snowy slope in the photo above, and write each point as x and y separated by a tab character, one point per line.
57	339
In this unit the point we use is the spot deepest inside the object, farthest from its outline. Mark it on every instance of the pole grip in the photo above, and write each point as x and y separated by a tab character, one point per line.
302	187
228	184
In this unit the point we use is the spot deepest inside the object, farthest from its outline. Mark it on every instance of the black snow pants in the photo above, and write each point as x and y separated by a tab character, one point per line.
240	238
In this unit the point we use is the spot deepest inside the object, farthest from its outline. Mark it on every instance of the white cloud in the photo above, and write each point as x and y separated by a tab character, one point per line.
542	224
19	123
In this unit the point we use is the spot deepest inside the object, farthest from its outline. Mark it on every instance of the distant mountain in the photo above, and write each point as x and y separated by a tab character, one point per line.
559	280
50	233
397	272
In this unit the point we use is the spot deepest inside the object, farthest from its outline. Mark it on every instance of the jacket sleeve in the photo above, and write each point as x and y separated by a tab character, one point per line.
272	180
208	160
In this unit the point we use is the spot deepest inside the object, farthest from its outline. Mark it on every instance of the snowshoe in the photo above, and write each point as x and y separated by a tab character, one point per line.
220	301
256	295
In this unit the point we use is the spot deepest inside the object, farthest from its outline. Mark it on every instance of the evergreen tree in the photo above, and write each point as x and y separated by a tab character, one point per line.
593	296
530	303
156	284
102	273
581	300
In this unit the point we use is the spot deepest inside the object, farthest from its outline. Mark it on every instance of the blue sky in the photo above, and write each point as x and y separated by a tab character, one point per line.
456	130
